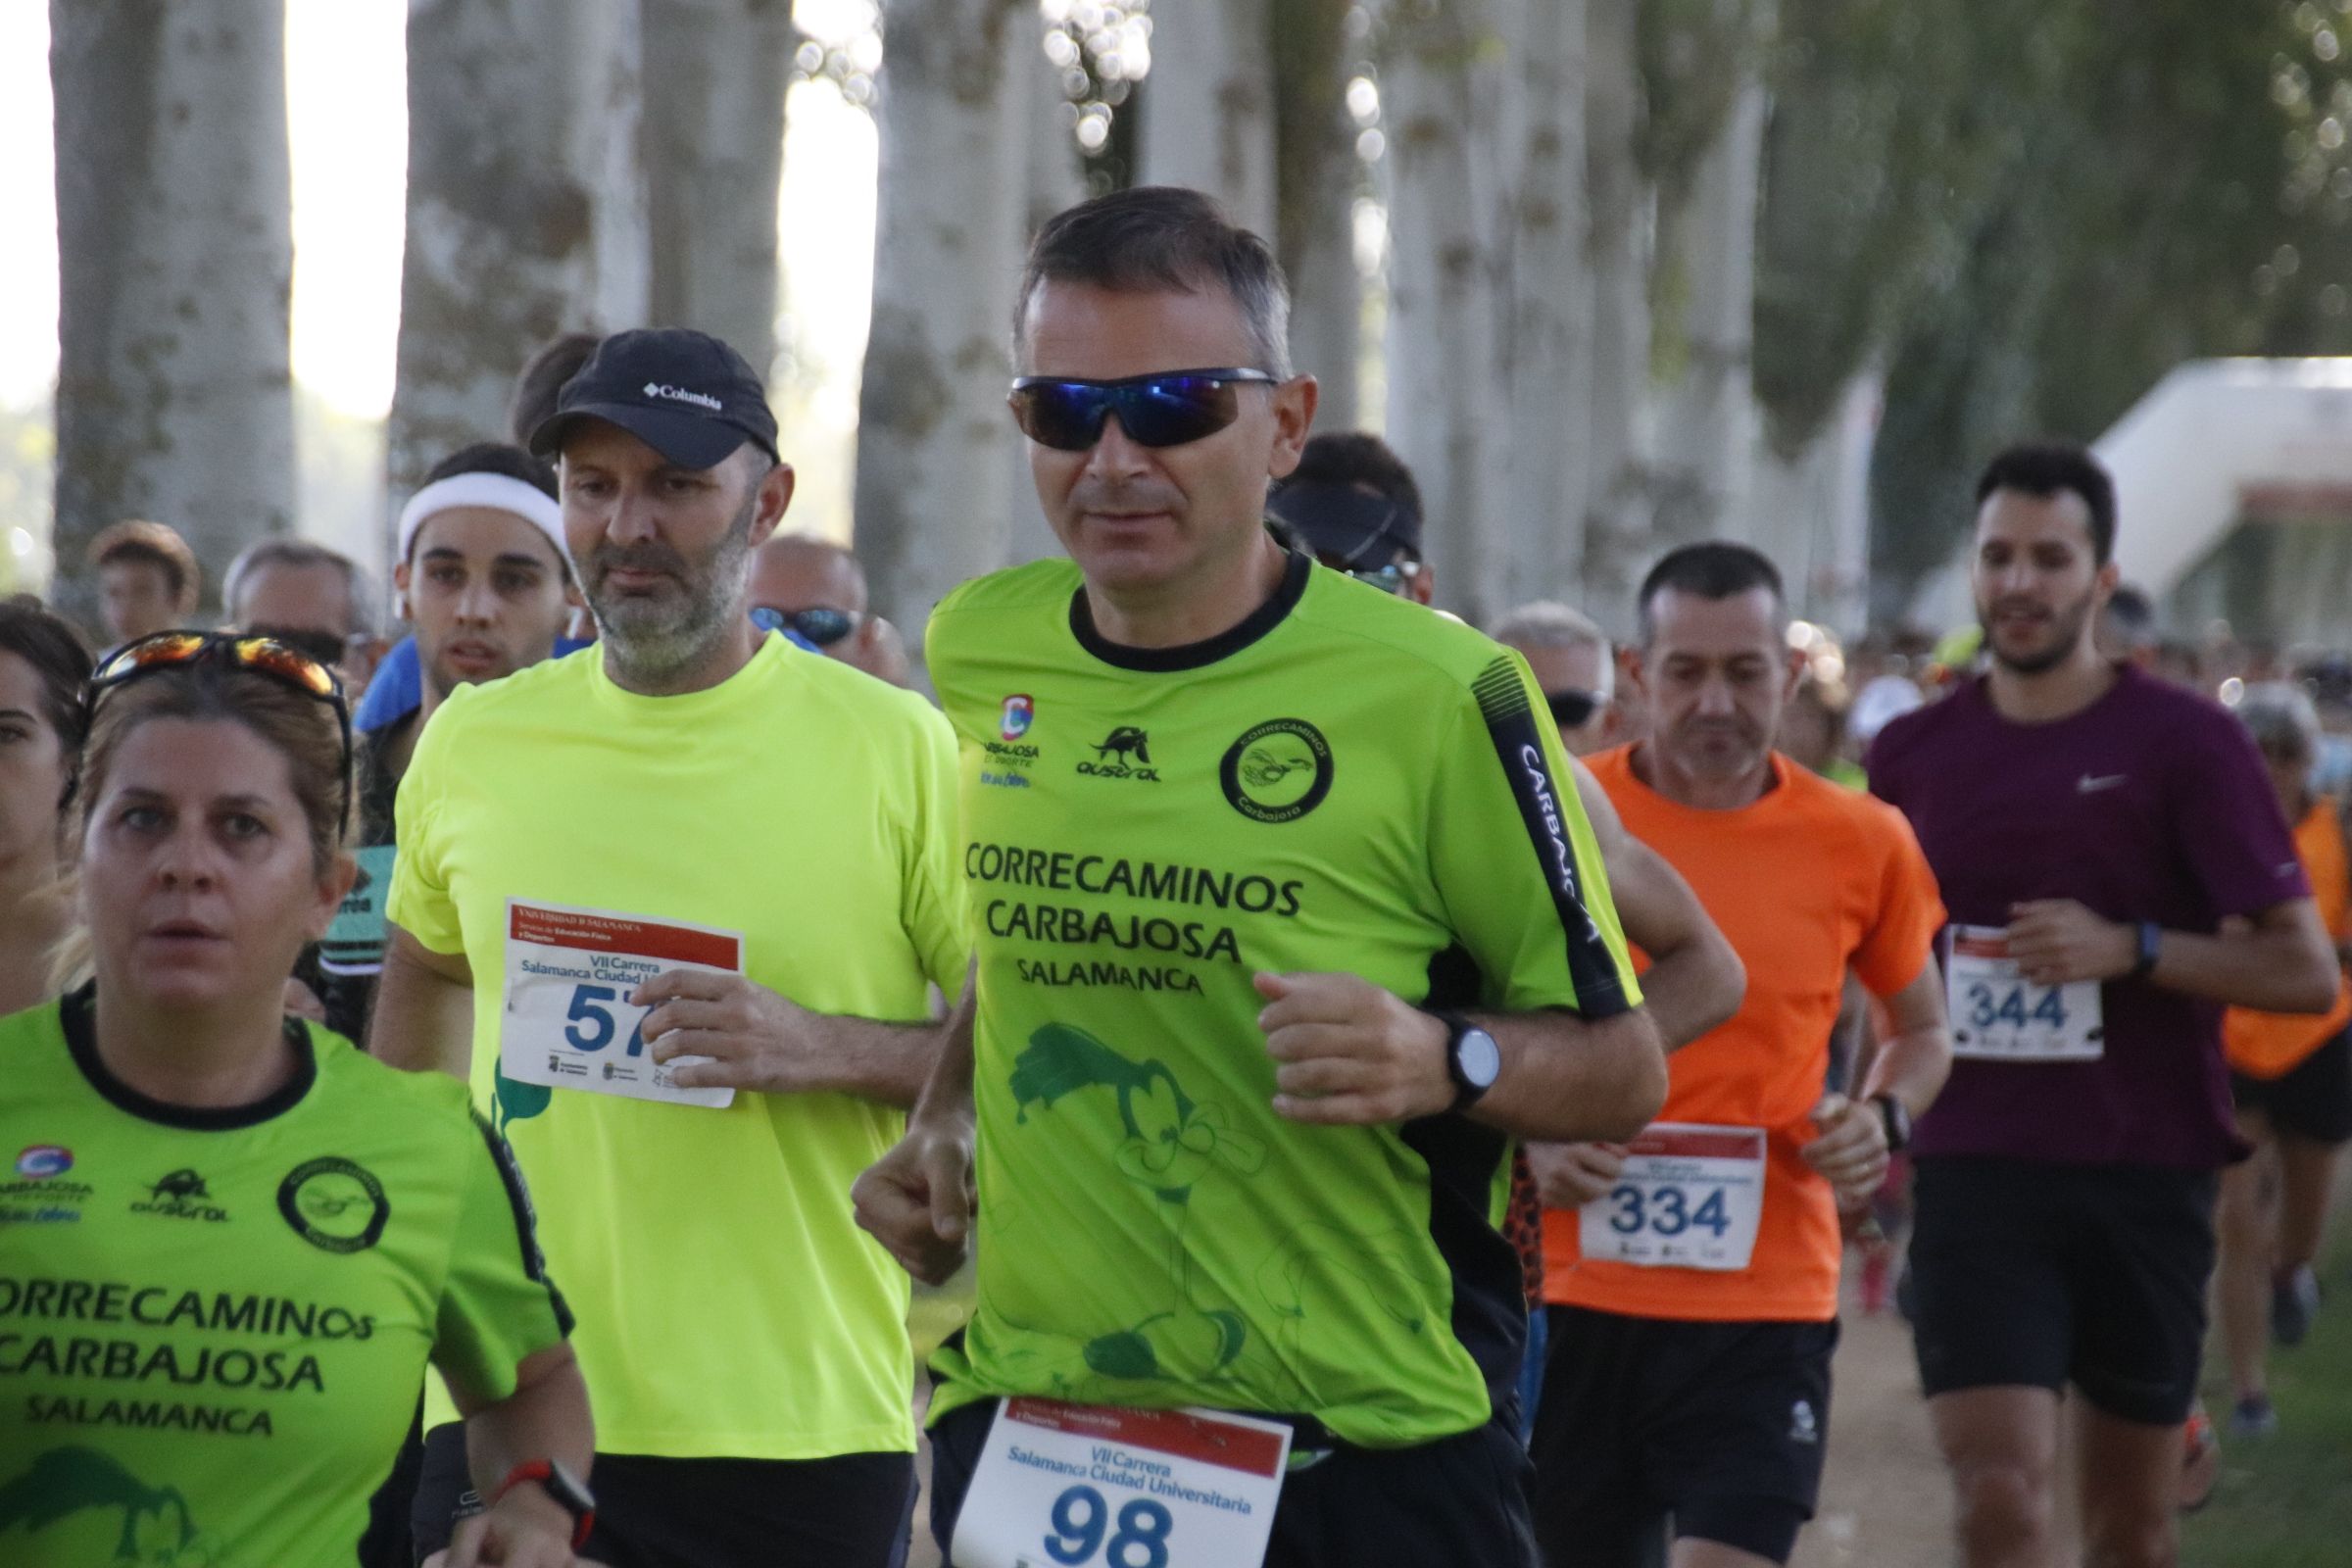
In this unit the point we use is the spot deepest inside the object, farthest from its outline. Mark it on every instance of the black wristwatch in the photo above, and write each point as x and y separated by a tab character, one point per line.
2149	950
1895	1117
1473	1061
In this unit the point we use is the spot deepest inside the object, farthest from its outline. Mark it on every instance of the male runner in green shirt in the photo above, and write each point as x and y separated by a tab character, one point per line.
1244	839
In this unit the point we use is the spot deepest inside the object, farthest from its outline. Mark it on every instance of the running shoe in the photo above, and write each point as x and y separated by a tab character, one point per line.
2254	1417
2294	1299
2200	1460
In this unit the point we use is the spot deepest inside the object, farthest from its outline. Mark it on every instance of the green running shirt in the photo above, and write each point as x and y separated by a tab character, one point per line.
1343	782
214	1324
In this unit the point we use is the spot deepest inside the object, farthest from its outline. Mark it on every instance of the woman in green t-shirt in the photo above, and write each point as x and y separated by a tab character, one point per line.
230	1243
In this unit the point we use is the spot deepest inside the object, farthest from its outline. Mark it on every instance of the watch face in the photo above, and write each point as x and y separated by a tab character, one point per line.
1480	1058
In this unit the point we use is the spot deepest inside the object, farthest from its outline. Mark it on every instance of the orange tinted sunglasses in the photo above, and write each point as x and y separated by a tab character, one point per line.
260	656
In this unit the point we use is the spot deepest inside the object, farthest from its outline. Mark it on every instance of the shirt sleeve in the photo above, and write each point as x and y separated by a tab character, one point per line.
497	1305
1909	909
2238	847
934	895
1515	860
419	903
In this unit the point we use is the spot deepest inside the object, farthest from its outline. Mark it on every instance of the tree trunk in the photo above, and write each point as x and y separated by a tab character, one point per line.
1208	121
716	74
1811	510
1707	430
1548	333
1618	248
1317	178
1054	176
527	207
174	395
1444	381
931	421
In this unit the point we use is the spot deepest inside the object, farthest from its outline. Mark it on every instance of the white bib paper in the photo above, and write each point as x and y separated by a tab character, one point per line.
570	975
1083	1486
1691	1196
1999	1016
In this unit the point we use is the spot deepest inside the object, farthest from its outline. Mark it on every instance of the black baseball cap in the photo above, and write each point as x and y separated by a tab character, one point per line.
1347	522
683	393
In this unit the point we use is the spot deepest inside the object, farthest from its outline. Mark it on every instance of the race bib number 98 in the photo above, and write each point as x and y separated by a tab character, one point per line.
1083	1486
1999	1016
570	975
1690	1196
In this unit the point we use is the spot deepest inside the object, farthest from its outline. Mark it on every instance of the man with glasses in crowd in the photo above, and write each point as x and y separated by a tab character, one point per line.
1288	926
815	589
652	898
1576	666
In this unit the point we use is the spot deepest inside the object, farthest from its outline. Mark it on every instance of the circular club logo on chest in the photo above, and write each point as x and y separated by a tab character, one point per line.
334	1205
1278	771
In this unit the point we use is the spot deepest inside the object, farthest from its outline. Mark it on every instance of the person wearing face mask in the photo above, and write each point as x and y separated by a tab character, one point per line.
230	1243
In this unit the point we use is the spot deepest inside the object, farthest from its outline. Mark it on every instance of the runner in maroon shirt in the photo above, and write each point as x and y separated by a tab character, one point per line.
2117	869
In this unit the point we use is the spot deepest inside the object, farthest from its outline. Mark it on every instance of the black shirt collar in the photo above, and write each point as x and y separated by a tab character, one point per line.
1193	656
77	1014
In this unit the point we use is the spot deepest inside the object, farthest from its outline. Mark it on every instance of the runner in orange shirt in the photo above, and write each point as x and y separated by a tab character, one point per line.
2292	1077
1692	1276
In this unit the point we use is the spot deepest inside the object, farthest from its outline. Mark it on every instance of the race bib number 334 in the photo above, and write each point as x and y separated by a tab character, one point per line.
568	1019
1082	1486
1690	1196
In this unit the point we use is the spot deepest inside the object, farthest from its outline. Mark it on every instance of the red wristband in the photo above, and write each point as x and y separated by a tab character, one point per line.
566	1493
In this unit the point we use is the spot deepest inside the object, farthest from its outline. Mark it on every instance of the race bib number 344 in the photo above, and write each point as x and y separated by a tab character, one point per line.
1999	1016
1083	1486
570	975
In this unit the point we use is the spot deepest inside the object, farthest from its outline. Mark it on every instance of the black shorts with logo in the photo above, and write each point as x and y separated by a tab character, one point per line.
2310	1100
853	1511
2035	1274
1456	1502
1719	1427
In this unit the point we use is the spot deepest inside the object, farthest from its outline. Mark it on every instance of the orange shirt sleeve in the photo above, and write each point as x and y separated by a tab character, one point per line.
1901	937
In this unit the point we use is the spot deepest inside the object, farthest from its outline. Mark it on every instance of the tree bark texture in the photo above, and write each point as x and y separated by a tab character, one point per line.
932	507
1208	117
1054	178
1445	383
1547	332
716	76
174	395
1317	180
1619	247
526	205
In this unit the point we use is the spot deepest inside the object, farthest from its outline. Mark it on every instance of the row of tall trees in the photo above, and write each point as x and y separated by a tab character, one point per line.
1647	262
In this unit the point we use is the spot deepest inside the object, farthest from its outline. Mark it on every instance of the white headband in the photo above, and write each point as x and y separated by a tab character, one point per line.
494	490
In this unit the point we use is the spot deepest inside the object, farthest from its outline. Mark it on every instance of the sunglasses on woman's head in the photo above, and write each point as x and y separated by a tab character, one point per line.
1167	409
258	656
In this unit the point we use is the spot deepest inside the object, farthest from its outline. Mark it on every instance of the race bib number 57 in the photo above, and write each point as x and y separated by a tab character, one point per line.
1999	1016
568	1019
1084	1486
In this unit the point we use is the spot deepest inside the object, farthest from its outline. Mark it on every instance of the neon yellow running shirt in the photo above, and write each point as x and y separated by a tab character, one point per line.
213	1323
1345	782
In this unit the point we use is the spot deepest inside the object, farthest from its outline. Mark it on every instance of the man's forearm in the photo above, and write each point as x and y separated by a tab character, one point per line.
1694	988
424	1021
1911	1066
948	1089
2284	969
889	1063
1567	1079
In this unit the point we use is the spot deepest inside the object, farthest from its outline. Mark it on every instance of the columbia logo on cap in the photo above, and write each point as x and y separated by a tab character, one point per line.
678	394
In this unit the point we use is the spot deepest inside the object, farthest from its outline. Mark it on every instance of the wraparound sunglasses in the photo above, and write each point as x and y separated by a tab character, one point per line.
1166	408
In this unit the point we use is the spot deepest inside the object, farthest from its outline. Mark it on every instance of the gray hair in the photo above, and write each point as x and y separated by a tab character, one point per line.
1548	624
286	550
2281	717
1163	238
